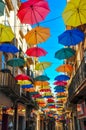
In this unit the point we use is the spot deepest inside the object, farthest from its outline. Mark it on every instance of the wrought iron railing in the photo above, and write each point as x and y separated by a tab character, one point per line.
77	80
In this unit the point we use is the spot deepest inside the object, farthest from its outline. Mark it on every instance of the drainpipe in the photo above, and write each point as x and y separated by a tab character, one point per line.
15	116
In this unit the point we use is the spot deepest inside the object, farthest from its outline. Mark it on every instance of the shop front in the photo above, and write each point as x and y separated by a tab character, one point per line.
81	114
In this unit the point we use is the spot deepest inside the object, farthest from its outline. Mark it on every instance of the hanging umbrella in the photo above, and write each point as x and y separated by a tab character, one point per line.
8	48
59	87
65	68
15	62
71	37
45	87
2	6
37	35
30	89
6	34
41	83
64	53
36	52
42	65
24	82
33	11
62	77
45	90
42	78
60	83
22	77
75	13
27	86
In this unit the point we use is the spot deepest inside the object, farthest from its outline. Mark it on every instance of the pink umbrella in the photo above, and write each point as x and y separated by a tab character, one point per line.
36	52
60	83
33	11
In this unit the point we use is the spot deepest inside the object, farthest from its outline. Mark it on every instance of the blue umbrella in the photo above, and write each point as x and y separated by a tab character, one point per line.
62	77
27	86
71	37
8	48
61	90
42	78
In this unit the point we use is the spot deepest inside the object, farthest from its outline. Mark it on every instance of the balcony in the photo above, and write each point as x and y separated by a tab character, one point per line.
77	88
9	87
8	84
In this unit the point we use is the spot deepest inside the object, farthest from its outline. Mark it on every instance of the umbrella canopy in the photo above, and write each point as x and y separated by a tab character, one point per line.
2	6
42	65
8	48
41	83
45	90
59	87
22	77
37	35
6	34
27	86
71	37
65	68
36	52
62	77
15	62
60	83
74	13
24	82
64	53
33	11
59	90
42	78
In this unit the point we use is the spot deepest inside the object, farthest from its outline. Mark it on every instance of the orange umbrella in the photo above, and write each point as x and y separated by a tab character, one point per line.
37	35
29	89
65	68
41	83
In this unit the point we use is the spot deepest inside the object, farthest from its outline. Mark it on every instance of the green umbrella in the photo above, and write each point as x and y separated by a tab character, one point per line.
2	6
64	53
42	78
15	62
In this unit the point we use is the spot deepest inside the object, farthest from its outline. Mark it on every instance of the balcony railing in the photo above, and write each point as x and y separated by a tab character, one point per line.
77	80
7	81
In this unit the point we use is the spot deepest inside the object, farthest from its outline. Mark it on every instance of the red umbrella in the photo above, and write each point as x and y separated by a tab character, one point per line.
36	52
60	83
33	11
45	90
22	77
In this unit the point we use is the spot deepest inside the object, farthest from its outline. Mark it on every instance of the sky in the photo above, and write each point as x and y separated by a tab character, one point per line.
55	22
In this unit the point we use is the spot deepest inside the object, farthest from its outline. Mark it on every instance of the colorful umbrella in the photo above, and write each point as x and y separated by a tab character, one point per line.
15	62
60	83
45	90
62	77
6	34
64	53
36	52
65	68
42	78
71	37
59	87
22	77
75	13
8	48
37	35
33	11
42	65
2	6
27	86
41	83
24	82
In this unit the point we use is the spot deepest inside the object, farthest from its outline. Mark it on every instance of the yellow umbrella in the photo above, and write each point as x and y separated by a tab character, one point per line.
6	34
37	35
75	13
42	65
24	82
